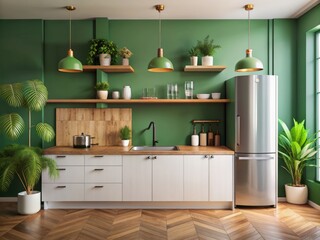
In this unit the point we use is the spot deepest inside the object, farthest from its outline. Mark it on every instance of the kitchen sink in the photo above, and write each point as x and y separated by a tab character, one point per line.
154	148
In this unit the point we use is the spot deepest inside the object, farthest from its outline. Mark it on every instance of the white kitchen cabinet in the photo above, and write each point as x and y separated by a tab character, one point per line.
196	177
221	178
103	192
62	192
167	173
137	178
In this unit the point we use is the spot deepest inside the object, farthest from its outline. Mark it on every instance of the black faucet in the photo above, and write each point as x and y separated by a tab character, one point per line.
154	141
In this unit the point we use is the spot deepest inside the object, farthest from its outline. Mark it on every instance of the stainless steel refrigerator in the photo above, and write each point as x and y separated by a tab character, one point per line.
252	132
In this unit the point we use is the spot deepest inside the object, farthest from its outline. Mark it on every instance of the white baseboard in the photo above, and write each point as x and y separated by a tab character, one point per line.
8	199
314	205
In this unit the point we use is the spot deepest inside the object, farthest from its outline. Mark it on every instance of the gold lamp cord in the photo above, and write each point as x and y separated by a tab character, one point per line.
159	29
248	29
69	29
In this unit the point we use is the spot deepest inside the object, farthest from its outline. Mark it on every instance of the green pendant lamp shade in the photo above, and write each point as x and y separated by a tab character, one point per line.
160	63
249	63
70	64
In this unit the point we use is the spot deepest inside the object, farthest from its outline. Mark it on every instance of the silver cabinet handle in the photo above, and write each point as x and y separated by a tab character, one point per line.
238	130
61	187
256	158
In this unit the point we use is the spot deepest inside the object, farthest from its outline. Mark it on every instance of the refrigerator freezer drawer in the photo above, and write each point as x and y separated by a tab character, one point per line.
255	180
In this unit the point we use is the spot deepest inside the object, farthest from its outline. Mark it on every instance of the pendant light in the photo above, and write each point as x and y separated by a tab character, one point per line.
70	64
249	63
160	63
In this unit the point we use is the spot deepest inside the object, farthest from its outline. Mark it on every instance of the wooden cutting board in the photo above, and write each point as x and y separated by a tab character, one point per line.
103	124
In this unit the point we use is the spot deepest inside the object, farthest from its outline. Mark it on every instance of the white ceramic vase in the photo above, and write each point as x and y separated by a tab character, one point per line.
105	59
194	60
125	61
126	92
207	60
29	204
125	143
296	195
102	94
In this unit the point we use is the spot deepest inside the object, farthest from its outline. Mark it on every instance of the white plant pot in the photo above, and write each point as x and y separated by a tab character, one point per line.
105	59
296	195
207	61
29	204
125	143
194	60
126	92
125	61
102	94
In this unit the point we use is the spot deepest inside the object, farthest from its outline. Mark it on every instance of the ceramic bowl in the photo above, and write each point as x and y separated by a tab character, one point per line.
203	95
215	95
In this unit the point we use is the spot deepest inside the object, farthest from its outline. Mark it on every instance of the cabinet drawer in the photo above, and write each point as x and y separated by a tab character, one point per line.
103	192
62	192
67	174
105	174
103	160
68	160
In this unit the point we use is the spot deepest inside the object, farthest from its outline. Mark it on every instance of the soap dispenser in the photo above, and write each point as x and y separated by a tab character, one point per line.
210	136
194	137
203	137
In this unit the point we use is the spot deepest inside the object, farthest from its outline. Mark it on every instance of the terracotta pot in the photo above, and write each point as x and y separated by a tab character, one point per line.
29	204
296	195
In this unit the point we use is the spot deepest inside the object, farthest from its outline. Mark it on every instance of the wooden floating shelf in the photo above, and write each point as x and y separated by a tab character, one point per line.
134	101
190	68
109	69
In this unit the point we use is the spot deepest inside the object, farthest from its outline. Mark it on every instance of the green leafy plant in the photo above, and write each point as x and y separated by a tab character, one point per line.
125	52
25	161
206	47
99	46
102	86
296	149
194	51
125	133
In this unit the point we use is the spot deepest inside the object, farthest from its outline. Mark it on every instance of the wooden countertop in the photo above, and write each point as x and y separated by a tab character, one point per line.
118	150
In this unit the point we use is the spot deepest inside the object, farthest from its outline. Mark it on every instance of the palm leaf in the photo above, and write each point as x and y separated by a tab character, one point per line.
12	125
12	94
45	132
36	94
285	129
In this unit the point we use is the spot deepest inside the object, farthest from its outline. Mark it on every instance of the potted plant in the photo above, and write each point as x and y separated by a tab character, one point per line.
125	135
207	50
26	162
296	149
125	53
193	53
102	90
103	52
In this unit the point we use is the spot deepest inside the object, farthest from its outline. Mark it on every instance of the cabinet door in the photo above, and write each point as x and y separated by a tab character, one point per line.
137	178
167	178
196	178
221	178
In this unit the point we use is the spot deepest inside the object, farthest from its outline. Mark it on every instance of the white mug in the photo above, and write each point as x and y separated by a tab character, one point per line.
115	95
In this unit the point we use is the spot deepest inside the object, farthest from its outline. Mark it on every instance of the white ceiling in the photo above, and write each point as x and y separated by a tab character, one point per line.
144	9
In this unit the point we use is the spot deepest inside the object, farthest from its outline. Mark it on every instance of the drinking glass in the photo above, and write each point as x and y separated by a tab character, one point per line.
188	89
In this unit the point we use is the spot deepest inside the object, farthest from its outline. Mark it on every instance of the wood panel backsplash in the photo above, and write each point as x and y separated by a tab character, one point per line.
102	124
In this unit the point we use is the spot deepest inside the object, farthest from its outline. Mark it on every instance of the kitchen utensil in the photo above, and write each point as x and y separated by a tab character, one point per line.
82	141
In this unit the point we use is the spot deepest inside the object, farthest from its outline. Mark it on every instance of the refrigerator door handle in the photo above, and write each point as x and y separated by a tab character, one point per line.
255	158
238	130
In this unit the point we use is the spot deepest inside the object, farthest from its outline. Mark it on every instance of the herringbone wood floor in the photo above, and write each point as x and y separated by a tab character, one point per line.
285	222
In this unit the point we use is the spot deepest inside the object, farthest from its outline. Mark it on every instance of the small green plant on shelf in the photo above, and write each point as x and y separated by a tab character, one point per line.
100	46
102	86
125	133
125	52
207	47
194	51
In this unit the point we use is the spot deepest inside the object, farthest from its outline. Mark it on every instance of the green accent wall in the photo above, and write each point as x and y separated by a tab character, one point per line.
41	44
308	24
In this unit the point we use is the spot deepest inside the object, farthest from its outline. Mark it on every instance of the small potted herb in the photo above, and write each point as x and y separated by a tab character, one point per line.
125	53
125	135
193	53
102	90
207	50
103	52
